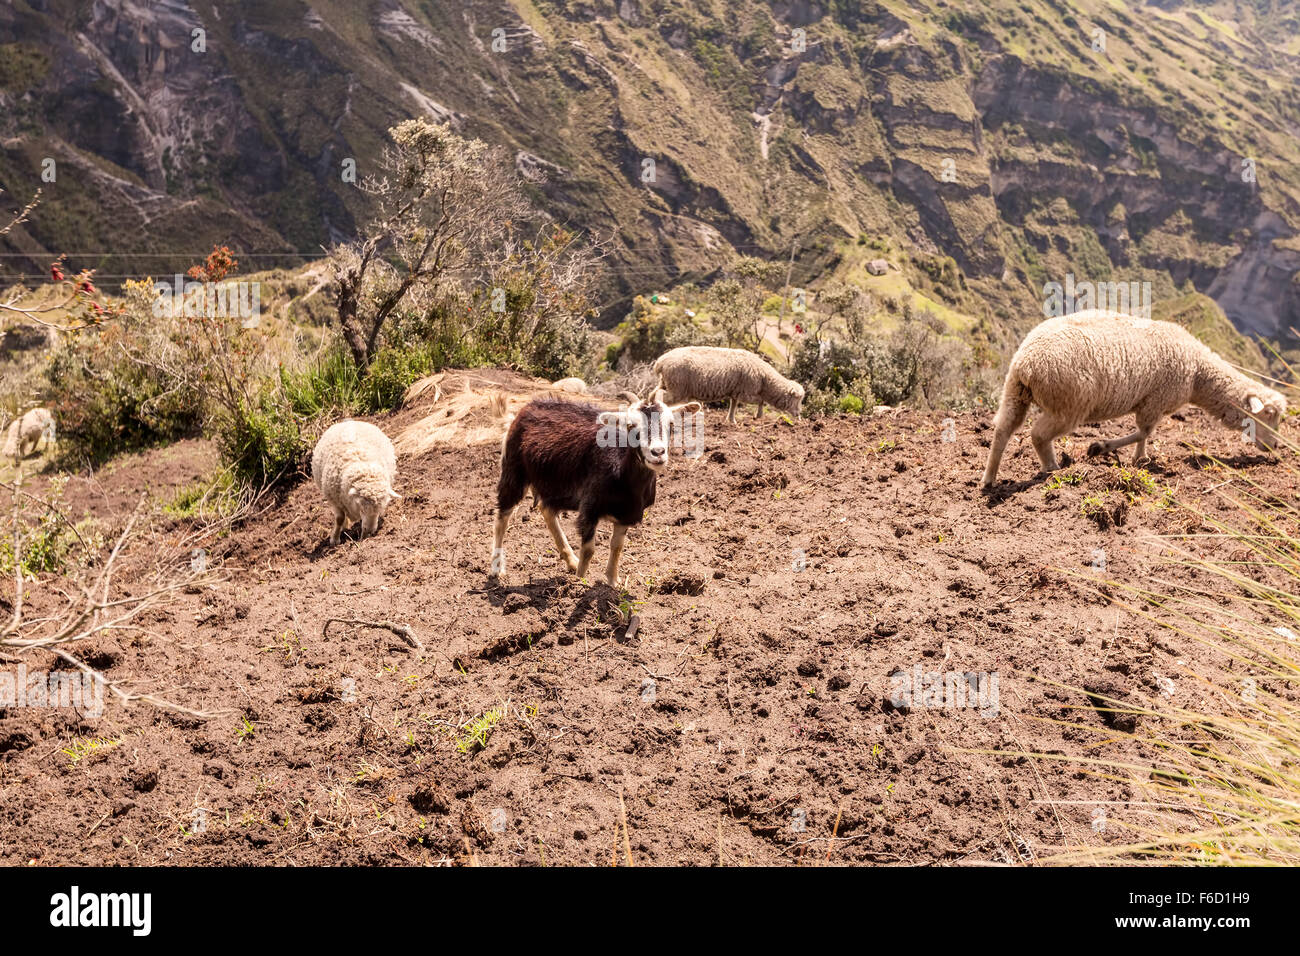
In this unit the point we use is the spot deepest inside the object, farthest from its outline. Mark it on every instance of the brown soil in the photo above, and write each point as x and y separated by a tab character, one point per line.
730	708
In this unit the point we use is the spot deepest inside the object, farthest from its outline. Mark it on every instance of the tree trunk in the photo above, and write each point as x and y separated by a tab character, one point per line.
349	324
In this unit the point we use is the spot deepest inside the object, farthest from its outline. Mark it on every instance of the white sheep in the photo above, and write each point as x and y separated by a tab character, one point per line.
575	386
708	374
26	431
354	466
1094	366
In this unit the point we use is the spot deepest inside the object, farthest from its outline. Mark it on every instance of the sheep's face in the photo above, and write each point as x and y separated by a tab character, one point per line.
369	497
1267	409
645	426
794	401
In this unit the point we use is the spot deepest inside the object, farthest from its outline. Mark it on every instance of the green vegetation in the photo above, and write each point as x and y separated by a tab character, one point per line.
51	543
476	731
85	747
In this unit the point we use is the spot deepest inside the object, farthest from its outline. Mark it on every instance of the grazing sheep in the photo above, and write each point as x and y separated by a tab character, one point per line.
1094	366
575	386
576	457
26	431
710	374
354	465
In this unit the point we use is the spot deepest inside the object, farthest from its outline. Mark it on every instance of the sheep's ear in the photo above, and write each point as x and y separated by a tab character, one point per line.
656	397
610	419
394	495
1256	406
687	408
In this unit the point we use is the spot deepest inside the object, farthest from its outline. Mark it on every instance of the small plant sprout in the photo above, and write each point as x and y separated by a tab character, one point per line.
84	747
1061	479
475	732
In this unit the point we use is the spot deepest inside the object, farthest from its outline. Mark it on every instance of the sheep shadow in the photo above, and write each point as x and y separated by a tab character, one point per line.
559	591
1119	457
351	535
1005	490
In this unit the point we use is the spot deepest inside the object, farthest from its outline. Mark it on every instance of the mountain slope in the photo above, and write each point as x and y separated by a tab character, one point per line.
1005	135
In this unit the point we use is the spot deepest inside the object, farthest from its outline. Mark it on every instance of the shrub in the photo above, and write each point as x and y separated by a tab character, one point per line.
648	332
910	363
105	403
52	544
851	404
391	372
264	440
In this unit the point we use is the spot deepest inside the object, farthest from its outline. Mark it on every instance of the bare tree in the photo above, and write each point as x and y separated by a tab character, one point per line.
848	303
440	199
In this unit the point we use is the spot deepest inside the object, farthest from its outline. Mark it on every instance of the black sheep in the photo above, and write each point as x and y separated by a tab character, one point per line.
576	457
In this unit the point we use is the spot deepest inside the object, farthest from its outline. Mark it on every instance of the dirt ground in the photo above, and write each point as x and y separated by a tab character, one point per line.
735	706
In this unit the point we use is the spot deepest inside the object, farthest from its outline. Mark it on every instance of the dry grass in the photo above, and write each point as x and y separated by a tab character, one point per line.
1218	782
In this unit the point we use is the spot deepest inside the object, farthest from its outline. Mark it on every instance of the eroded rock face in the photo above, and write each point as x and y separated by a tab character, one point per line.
176	139
1148	169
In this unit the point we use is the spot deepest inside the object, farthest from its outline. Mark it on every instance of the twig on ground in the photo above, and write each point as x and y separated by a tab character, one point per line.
401	630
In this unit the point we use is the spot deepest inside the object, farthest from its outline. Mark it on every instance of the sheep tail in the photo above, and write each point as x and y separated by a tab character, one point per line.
1016	398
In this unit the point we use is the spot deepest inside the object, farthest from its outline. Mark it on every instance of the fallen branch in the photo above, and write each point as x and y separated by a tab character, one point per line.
86	614
401	630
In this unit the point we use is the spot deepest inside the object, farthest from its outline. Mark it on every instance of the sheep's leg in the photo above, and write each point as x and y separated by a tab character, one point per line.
498	567
1105	447
561	542
760	410
615	554
1011	415
339	518
1046	430
1145	426
731	414
587	530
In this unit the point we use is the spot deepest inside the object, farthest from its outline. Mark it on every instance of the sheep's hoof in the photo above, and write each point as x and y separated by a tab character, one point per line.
1096	448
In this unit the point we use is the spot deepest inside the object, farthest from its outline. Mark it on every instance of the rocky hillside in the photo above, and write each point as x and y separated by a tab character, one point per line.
1025	140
